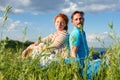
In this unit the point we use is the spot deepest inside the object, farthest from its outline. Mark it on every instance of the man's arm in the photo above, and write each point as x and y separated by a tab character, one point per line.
73	51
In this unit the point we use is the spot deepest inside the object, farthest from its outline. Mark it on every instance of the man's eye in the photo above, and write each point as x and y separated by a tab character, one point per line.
76	19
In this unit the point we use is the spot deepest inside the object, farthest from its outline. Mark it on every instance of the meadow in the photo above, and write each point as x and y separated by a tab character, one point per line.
12	67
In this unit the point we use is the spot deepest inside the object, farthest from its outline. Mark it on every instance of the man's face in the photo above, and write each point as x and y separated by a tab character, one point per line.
77	20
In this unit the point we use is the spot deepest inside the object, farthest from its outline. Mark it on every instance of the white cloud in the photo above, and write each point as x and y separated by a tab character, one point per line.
66	6
104	37
11	25
72	6
91	5
0	21
18	10
98	7
91	37
25	2
14	29
2	8
14	24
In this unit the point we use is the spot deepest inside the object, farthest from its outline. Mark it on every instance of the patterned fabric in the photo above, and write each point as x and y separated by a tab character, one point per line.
58	41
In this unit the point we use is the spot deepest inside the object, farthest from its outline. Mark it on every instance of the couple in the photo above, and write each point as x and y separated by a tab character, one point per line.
60	42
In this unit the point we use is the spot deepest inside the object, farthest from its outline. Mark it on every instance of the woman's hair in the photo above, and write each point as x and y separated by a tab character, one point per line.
79	12
65	18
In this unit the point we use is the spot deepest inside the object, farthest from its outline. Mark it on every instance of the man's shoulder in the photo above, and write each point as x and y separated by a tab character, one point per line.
75	31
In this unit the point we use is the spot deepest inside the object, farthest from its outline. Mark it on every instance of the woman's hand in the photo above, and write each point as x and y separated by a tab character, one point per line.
24	53
27	50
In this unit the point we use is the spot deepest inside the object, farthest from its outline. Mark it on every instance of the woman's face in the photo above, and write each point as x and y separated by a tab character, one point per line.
60	24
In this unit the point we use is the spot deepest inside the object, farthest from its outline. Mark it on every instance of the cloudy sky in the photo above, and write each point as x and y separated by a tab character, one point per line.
38	15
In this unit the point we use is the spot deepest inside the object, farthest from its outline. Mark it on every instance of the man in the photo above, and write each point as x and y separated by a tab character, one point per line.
78	43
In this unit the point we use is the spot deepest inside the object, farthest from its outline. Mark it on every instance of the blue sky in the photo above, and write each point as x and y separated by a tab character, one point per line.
38	16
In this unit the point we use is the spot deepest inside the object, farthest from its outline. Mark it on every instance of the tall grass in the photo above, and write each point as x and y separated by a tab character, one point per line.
113	68
12	67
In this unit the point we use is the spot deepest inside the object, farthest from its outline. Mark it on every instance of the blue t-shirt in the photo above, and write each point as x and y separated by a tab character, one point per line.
78	39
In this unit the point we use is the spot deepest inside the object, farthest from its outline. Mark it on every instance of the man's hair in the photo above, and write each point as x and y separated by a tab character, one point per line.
75	12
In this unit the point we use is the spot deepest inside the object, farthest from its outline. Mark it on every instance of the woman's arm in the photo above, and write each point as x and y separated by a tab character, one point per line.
36	43
29	48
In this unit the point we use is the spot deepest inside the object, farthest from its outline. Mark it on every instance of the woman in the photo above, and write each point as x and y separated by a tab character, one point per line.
57	41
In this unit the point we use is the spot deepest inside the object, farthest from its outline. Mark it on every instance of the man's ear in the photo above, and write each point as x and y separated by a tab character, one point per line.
83	19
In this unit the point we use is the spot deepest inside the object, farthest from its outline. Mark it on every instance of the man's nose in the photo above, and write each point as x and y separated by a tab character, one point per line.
79	20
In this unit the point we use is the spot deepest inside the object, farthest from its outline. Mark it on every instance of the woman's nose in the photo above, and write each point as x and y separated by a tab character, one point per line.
59	24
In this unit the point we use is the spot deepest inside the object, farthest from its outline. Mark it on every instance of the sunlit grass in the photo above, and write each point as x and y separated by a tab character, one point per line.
12	67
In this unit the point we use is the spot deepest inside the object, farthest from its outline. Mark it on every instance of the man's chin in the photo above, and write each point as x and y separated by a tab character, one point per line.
78	26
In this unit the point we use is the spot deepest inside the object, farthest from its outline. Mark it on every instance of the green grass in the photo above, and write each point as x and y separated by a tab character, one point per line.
12	67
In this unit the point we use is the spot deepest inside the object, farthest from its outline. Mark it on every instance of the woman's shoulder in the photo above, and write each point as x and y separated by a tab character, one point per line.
53	34
64	32
60	34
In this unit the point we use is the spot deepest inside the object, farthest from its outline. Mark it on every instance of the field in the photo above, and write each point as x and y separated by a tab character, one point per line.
12	67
